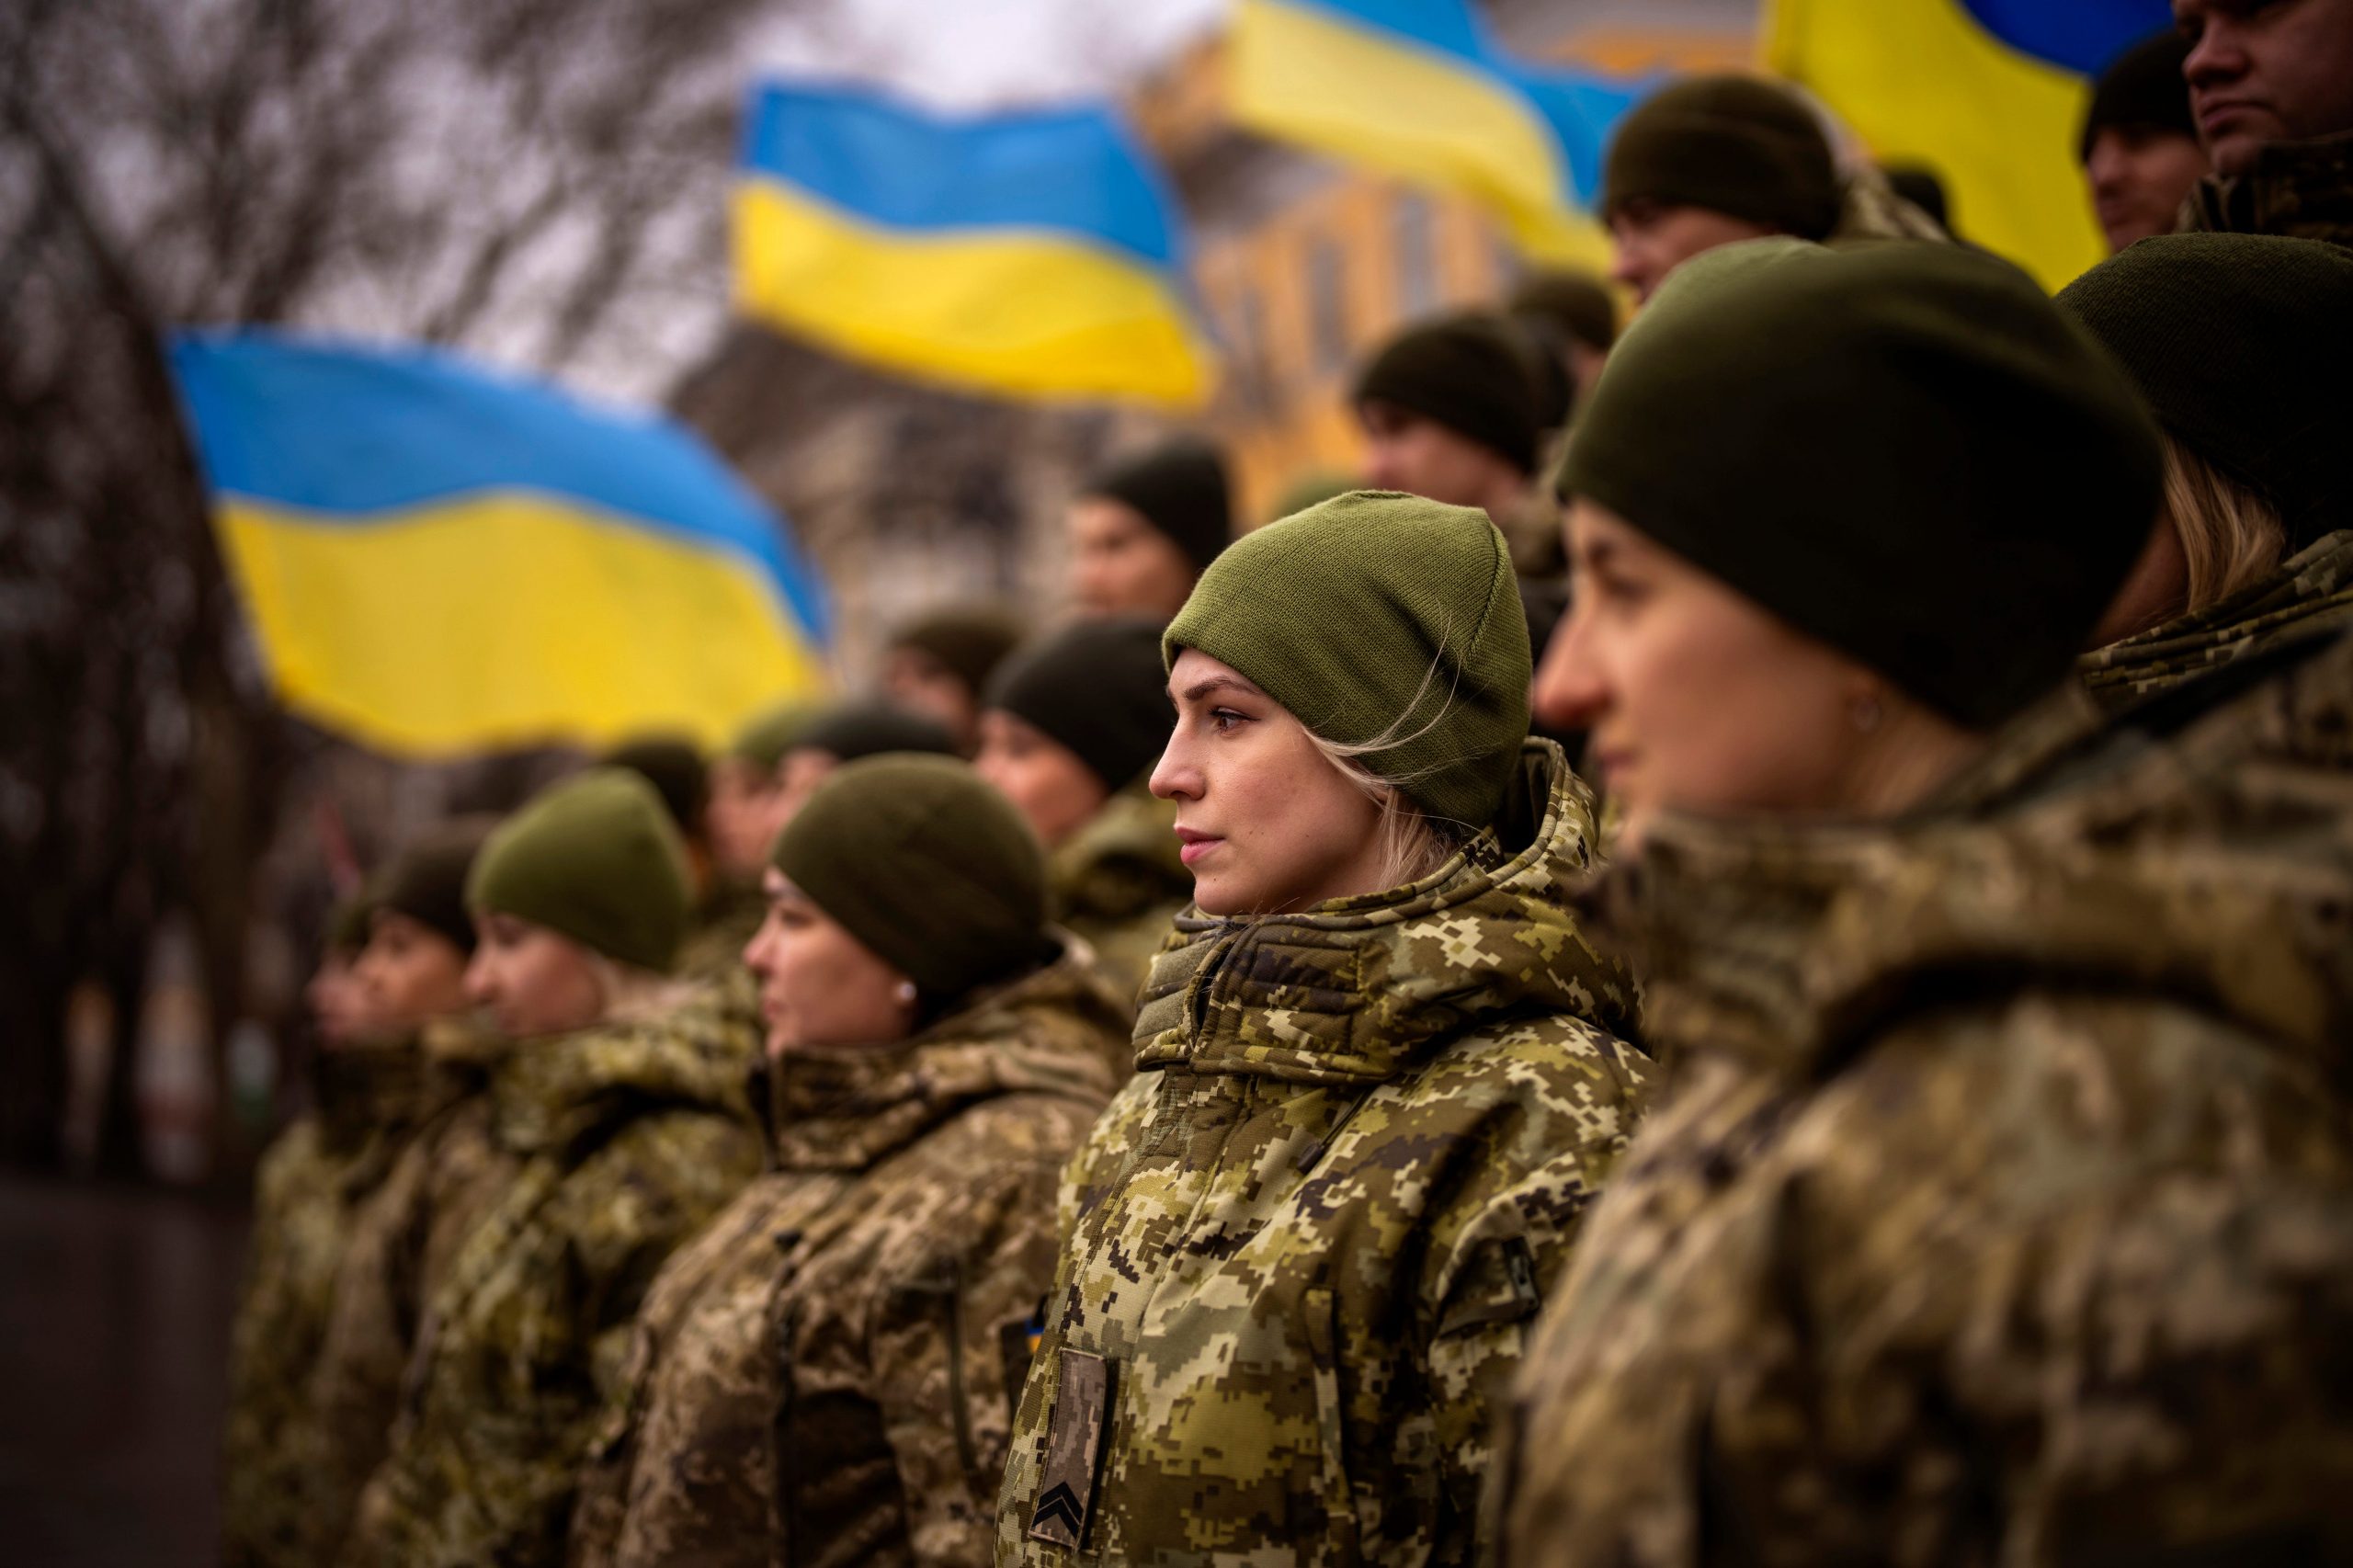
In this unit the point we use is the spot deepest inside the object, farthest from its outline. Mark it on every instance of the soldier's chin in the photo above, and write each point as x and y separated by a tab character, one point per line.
1221	895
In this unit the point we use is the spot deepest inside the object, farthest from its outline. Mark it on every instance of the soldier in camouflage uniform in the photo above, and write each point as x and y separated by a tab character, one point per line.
622	1111
828	1375
1376	1086
1072	727
1997	1208
2272	87
375	1098
2240	345
308	1181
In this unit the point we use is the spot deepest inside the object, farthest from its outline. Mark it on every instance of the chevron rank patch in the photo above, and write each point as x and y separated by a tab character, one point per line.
1074	1449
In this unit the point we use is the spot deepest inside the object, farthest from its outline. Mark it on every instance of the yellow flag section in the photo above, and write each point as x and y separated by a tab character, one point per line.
1416	88
1033	253
1990	95
437	561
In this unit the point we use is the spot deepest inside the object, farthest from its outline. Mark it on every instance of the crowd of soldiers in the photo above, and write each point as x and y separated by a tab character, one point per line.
1748	960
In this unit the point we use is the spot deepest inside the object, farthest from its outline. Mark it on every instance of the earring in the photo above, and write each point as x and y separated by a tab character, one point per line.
1865	713
906	992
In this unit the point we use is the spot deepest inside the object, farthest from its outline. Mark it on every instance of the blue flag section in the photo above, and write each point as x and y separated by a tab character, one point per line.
1037	254
440	560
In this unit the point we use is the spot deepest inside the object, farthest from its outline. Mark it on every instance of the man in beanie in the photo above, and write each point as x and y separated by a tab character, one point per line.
2272	89
1141	531
2140	147
1452	408
937	663
1575	314
1708	160
621	1112
2003	1210
844	732
745	780
1072	728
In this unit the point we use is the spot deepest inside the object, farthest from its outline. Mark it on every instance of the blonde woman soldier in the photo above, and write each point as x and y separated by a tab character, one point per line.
1379	1076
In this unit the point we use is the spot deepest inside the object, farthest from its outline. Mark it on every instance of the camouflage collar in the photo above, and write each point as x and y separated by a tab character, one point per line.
2300	189
2312	588
1045	1033
1122	863
366	1088
698	1053
1356	991
2140	854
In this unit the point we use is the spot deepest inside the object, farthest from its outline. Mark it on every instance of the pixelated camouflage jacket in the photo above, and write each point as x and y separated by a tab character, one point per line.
324	1166
722	927
1999	1205
827	1376
628	1138
399	1241
2303	190
2313	590
1307	1238
1117	883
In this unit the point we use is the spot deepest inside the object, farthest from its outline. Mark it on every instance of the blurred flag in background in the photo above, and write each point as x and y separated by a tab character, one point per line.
438	560
1037	254
1417	90
1988	93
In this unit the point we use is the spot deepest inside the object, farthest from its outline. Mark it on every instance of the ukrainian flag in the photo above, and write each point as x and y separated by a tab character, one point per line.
1988	93
1417	90
1037	254
437	560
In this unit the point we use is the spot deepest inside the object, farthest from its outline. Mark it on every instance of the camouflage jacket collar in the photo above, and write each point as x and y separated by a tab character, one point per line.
2312	588
1048	1032
1122	863
2193	847
1358	990
696	1053
364	1089
2300	189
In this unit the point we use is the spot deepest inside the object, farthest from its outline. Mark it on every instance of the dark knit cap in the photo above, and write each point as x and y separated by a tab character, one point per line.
1739	145
2243	345
1475	373
1380	616
1904	449
969	639
674	766
426	881
931	870
763	741
1180	488
594	857
1096	689
2143	89
854	730
1576	304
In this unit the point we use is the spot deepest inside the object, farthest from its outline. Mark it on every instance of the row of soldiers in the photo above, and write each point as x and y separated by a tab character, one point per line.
1888	1101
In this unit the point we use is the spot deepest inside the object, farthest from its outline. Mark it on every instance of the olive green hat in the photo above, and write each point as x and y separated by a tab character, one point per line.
426	881
673	765
2243	345
1380	617
1904	449
763	741
1475	373
930	869
595	858
1181	488
1738	145
1577	305
969	640
1095	689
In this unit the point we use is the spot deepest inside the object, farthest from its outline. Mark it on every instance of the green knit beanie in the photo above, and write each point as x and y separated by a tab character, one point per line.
851	730
1379	617
1577	305
426	881
969	640
1904	449
1475	373
930	869
595	858
763	741
674	766
1180	488
1097	690
2243	345
1733	144
2143	89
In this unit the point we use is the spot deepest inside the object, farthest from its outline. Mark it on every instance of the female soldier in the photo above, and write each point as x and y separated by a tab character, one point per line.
1070	731
621	1112
2240	344
827	1375
2001	1209
1375	1085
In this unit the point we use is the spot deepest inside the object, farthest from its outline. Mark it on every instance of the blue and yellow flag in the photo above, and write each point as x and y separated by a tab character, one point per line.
1989	93
1037	254
1417	90
437	560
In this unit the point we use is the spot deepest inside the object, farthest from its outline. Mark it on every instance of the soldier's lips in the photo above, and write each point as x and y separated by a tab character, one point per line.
2215	117
1196	844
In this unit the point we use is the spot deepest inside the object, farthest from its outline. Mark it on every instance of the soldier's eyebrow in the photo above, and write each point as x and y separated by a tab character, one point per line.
1217	683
